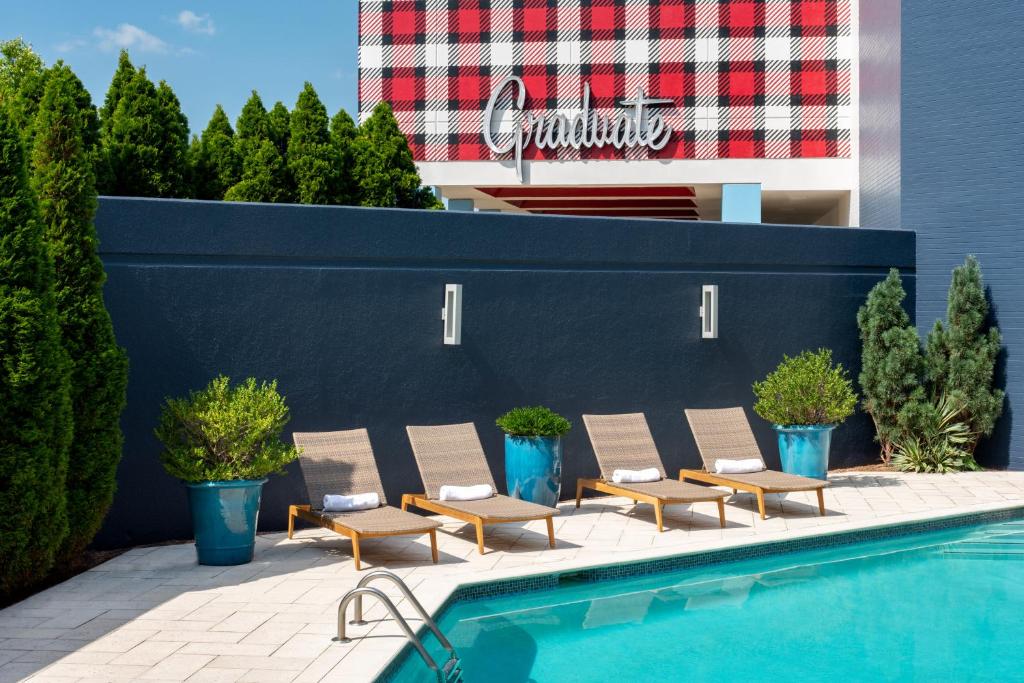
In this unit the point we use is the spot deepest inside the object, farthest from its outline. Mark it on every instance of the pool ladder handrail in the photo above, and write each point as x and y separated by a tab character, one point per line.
363	588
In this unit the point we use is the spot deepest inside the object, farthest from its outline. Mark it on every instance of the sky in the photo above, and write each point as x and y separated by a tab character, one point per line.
209	52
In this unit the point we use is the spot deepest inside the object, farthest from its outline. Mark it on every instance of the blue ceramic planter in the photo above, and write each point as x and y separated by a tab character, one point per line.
533	468
804	449
224	515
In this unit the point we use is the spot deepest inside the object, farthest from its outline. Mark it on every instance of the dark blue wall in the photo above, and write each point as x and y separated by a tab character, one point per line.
963	178
342	306
879	113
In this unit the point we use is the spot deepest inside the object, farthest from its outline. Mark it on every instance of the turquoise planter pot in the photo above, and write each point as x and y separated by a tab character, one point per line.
224	515
804	449
533	468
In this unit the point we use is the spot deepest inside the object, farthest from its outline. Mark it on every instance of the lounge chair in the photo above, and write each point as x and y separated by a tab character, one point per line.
451	455
725	433
343	463
624	442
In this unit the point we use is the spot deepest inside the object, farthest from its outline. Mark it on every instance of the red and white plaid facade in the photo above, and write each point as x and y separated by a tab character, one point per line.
750	78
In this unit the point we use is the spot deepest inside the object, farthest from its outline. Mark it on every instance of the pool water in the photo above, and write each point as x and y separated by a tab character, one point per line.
938	606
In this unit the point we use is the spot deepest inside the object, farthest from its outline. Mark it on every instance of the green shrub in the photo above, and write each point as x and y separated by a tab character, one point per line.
533	421
225	432
935	440
62	176
35	410
806	390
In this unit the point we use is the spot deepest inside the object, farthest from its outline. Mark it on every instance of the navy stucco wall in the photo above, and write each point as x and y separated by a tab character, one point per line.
963	181
880	113
342	306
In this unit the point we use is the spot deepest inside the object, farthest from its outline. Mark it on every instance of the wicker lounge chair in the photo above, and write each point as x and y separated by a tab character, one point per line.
343	463
725	433
452	455
625	442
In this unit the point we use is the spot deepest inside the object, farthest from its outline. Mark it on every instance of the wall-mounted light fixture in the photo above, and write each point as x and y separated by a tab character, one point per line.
451	314
709	312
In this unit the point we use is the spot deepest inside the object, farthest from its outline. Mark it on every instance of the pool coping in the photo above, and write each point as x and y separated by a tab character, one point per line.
526	581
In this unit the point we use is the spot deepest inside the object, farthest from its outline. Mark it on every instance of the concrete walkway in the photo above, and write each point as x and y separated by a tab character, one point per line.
153	614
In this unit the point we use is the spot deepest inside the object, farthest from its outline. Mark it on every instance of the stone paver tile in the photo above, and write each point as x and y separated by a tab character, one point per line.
304	645
266	676
207	675
148	653
273	632
110	672
274	663
235	649
177	667
119	641
244	622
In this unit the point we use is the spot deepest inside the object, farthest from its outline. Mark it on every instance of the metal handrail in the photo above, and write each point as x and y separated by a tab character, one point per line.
379	594
394	578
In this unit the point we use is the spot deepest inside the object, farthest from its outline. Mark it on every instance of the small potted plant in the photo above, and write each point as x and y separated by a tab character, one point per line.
222	442
805	398
533	453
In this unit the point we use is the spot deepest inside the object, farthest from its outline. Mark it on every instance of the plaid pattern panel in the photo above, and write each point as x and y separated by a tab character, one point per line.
749	78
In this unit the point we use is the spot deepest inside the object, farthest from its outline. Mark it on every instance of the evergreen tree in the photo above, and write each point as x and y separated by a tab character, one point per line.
123	76
264	175
35	411
312	159
22	81
961	354
64	183
343	137
892	365
279	124
172	163
133	137
217	165
384	167
253	123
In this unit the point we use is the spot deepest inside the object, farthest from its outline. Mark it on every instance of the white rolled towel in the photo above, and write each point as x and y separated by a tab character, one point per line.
738	466
636	476
358	501
476	492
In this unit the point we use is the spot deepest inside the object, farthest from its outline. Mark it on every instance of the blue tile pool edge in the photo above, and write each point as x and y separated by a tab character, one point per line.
705	558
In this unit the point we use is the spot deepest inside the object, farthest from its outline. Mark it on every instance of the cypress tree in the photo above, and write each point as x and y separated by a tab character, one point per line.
343	137
123	75
253	123
384	167
172	163
35	411
961	354
264	175
279	124
312	159
133	137
217	165
65	185
22	81
892	364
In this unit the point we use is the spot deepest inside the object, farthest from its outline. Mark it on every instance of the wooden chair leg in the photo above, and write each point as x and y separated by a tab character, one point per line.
721	512
821	501
760	502
657	516
734	492
433	545
355	550
480	536
579	493
551	531
405	502
291	521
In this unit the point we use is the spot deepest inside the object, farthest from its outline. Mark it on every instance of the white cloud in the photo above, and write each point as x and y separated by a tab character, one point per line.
70	45
128	36
195	23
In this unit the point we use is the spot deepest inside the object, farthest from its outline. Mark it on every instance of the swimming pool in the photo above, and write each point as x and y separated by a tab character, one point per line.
940	606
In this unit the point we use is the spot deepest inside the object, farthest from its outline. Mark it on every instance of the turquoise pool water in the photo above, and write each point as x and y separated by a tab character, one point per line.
937	606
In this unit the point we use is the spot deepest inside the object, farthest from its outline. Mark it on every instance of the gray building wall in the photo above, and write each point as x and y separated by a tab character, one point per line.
962	174
342	306
880	113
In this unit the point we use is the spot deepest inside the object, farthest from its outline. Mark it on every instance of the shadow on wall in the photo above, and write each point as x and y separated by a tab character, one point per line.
994	452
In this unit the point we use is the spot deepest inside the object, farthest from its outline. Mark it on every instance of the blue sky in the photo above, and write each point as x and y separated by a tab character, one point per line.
210	53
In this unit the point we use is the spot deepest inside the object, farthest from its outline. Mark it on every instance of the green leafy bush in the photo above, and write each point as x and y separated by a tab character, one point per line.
533	421
806	390
935	440
225	433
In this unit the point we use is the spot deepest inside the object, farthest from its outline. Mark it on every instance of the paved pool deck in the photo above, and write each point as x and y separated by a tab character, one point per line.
153	614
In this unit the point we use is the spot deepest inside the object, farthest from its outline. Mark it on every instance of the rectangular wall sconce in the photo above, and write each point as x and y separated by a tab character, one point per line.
451	314
709	312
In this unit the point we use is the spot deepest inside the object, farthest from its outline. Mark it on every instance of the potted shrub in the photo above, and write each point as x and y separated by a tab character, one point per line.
222	442
805	398
533	453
